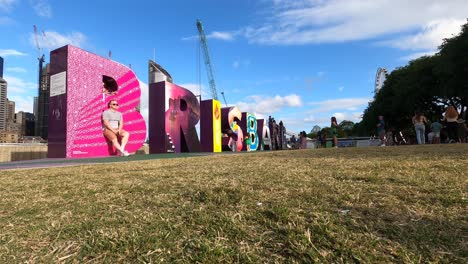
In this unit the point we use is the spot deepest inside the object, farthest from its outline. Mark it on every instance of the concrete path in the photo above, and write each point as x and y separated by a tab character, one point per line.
47	163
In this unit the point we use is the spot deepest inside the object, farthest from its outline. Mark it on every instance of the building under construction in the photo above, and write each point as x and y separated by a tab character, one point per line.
43	101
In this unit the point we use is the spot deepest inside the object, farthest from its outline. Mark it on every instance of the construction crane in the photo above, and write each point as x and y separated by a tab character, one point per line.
40	56
209	68
39	49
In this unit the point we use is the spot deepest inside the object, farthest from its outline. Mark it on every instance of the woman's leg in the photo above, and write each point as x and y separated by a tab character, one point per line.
112	137
422	130
124	135
418	139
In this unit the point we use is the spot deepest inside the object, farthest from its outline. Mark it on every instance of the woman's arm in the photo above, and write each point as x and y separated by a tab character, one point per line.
108	126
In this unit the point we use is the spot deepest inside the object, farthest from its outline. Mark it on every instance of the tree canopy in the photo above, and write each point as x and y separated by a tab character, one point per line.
428	85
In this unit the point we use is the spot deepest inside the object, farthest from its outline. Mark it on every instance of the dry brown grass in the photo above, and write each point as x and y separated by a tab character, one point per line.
395	204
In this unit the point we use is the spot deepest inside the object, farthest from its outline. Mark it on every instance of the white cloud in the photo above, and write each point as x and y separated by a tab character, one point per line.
19	85
15	90
11	52
53	40
42	8
194	37
348	104
7	5
318	21
324	118
196	89
350	116
430	37
310	119
240	63
22	103
416	55
292	124
16	69
264	105
343	109
221	35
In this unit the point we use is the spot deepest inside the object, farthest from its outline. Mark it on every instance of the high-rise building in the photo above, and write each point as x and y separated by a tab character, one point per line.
43	102
3	98
29	125
3	104
156	73
35	106
1	67
25	122
10	111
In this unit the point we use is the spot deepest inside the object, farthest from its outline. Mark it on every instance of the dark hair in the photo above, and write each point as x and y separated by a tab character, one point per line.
333	119
109	84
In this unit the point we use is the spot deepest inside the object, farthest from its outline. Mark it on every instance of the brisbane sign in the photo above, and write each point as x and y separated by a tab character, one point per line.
83	84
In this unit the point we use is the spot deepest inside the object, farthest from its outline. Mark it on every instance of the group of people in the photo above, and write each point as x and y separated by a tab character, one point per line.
454	129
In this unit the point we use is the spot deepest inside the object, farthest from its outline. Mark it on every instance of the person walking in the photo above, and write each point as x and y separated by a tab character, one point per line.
419	122
232	140
247	143
334	131
450	119
435	128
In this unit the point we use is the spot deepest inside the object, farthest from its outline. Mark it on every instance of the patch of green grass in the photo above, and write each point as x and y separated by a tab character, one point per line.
396	204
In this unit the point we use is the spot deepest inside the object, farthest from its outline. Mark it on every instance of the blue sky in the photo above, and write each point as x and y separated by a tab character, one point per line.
300	61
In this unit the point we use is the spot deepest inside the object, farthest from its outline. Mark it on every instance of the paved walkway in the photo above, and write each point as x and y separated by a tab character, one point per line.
46	163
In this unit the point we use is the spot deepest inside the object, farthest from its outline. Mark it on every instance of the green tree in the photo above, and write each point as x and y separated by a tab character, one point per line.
345	128
452	70
428	84
314	131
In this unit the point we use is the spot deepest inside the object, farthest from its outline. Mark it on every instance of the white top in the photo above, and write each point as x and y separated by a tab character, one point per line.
114	117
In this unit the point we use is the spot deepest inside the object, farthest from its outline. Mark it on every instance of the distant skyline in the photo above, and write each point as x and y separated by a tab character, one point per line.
299	61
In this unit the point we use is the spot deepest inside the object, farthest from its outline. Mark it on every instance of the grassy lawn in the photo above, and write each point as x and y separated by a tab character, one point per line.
405	204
